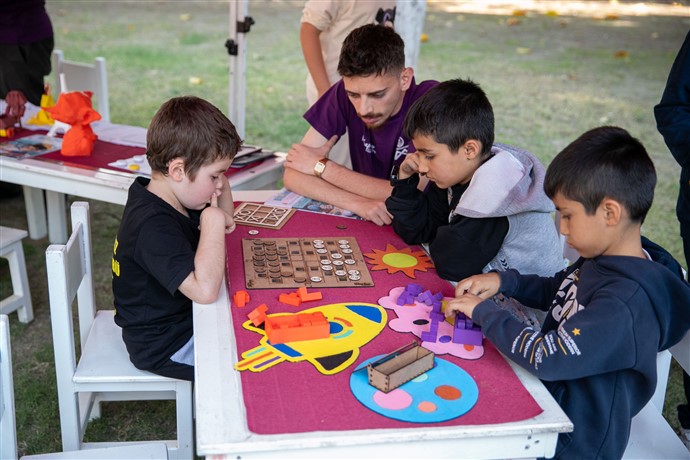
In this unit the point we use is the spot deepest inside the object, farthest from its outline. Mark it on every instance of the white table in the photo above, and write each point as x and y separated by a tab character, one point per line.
104	185
221	422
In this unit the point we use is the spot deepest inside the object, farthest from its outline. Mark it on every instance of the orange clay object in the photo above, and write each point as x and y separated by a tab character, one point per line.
241	298
308	296
296	328
258	315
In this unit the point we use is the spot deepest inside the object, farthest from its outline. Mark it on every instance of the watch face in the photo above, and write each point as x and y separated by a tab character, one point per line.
319	168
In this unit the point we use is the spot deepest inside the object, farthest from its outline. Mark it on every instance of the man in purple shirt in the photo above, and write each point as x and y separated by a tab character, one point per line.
370	102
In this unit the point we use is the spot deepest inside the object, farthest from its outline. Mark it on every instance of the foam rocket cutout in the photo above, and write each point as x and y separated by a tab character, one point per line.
352	325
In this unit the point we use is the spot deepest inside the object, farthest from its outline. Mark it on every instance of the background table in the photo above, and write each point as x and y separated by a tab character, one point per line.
109	185
224	418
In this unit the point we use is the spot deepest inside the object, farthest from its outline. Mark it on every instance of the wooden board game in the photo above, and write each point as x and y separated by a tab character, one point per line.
312	262
259	215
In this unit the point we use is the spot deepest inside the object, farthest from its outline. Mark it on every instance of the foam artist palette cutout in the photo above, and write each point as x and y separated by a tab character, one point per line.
259	215
442	393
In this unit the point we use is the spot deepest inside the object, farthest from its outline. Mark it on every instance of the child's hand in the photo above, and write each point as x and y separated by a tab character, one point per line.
464	304
229	221
409	166
483	286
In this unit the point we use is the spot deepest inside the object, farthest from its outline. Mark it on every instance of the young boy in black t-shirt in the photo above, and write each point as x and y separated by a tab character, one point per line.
170	248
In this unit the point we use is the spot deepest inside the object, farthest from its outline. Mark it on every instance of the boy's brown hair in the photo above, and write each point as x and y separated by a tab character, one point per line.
192	129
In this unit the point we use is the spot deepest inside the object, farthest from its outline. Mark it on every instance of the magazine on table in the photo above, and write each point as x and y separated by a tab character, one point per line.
30	146
288	199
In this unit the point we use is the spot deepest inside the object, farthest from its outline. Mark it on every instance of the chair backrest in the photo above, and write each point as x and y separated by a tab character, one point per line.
8	430
77	76
69	270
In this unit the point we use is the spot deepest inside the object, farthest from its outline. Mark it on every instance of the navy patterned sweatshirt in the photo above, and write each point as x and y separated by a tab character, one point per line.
596	351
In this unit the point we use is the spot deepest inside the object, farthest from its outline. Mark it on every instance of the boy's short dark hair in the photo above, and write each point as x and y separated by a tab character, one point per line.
605	162
371	50
452	113
192	129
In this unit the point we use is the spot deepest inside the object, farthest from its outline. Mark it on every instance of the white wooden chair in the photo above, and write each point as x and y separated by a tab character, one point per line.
103	372
78	76
72	76
12	250
8	433
651	436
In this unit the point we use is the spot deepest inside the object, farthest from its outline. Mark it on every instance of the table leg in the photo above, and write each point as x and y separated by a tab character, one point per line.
35	212
57	220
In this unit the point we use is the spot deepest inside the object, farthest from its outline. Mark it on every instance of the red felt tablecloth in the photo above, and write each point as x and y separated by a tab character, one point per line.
295	397
103	154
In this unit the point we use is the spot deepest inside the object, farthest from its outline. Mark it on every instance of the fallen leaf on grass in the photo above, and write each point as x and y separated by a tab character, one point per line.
621	54
522	50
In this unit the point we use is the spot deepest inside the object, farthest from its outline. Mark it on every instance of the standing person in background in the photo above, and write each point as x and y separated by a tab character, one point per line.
26	44
673	122
325	24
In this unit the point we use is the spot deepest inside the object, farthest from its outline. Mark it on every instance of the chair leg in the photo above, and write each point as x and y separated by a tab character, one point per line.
21	286
21	297
57	217
185	422
70	419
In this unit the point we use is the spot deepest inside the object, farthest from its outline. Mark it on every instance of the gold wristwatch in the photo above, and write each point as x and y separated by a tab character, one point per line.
320	167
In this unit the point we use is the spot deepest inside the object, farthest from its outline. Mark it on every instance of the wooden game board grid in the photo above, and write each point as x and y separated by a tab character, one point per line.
311	262
259	215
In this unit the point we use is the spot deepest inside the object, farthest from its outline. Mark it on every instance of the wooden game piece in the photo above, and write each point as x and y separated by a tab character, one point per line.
400	366
304	262
259	215
296	328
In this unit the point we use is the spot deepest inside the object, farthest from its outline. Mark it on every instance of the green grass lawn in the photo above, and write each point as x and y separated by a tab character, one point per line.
550	78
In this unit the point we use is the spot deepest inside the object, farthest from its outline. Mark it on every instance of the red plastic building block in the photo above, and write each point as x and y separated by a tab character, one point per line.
298	327
290	299
308	296
258	315
241	298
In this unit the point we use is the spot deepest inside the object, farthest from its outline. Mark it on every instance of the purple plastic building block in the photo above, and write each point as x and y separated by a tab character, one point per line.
425	297
413	289
465	332
432	333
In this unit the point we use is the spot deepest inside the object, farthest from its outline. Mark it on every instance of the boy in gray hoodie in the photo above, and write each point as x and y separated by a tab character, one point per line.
485	208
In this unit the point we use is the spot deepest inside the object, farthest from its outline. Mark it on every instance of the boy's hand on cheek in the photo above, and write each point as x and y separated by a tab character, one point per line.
214	216
409	167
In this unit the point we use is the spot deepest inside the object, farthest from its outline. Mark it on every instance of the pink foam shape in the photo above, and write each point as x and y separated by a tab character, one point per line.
407	314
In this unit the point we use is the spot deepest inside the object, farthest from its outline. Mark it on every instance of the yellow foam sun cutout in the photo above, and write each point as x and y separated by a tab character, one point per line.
399	260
